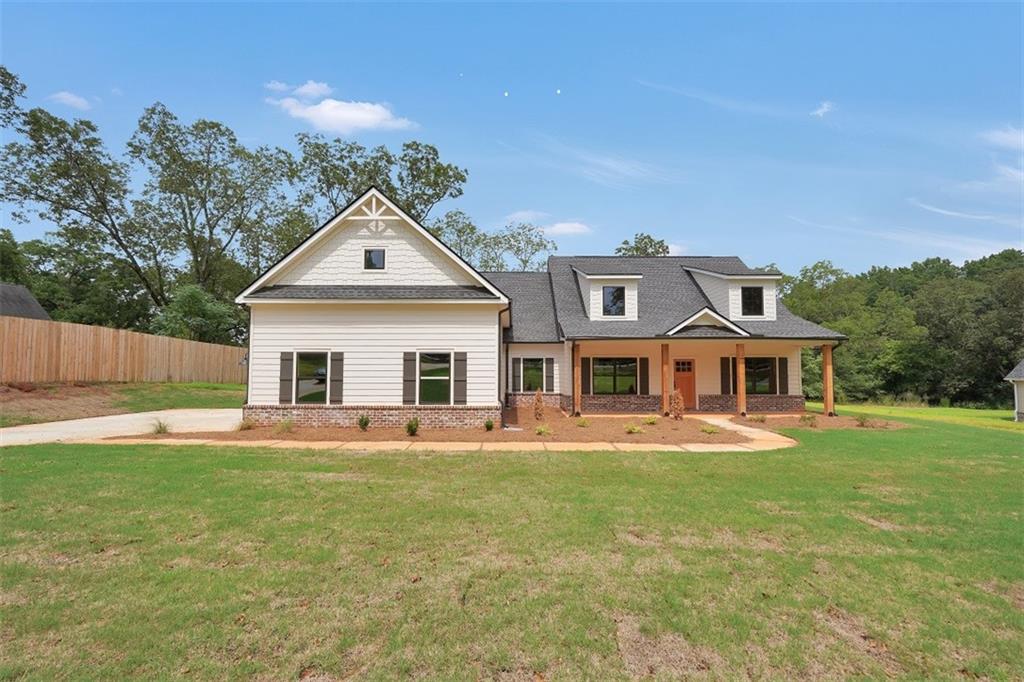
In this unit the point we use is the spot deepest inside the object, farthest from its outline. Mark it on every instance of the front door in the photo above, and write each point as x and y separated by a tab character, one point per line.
685	383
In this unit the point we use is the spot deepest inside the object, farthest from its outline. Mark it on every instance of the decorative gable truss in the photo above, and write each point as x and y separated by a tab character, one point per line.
707	317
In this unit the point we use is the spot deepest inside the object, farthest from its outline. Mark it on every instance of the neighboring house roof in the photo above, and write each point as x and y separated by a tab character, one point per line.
353	292
1017	373
17	301
533	310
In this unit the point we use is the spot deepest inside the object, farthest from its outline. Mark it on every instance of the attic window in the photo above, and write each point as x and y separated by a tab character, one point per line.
373	259
752	300
614	301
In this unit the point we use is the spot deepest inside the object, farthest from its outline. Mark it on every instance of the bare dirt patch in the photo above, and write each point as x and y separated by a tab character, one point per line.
26	403
880	524
849	629
820	422
664	656
524	429
1013	593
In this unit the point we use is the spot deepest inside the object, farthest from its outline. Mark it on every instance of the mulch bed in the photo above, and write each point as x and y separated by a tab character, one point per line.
563	429
53	402
820	422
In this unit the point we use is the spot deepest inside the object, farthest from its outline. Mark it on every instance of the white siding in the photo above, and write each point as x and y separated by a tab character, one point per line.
373	338
540	350
410	259
1018	398
735	303
597	298
717	291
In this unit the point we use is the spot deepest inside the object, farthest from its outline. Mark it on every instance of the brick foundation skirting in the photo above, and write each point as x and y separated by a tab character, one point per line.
430	416
630	404
714	402
526	399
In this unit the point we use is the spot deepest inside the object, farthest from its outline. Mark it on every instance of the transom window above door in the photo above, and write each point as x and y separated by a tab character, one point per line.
374	259
684	365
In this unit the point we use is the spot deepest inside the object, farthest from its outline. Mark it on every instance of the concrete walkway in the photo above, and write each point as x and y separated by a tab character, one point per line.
120	425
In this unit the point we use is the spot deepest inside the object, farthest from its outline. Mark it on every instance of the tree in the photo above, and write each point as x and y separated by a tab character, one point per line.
643	244
196	315
14	265
11	90
526	244
458	231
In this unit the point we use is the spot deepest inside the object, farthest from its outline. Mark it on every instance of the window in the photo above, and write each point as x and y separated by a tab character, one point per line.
435	379
373	259
614	376
614	301
752	301
533	374
311	378
684	365
759	375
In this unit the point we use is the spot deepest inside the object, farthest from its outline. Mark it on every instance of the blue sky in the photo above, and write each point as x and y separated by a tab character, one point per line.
865	134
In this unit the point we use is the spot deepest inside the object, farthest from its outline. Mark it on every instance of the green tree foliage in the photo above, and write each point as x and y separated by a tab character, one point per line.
14	265
195	314
526	245
11	90
643	244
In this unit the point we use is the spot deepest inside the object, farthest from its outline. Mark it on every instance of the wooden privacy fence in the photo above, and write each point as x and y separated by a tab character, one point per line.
45	351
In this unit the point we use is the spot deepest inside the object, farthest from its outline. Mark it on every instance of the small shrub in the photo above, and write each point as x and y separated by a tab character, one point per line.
862	421
160	426
412	426
246	425
489	425
808	420
543	430
285	426
757	418
582	422
651	420
709	429
676	405
633	428
538	406
364	422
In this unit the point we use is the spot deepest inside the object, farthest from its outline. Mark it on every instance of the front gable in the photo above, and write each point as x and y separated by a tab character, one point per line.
706	317
334	254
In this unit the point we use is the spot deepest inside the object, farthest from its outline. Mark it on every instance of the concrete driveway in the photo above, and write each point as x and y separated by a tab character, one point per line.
121	425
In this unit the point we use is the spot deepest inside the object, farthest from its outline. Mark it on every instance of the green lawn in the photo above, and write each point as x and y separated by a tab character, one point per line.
146	397
966	416
860	553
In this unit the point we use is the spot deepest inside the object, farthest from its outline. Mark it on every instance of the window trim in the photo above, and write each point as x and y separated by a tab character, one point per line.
543	372
593	362
295	375
451	374
773	369
604	288
743	313
376	248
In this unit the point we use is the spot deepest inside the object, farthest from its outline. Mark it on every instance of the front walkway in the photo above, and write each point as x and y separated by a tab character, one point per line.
121	425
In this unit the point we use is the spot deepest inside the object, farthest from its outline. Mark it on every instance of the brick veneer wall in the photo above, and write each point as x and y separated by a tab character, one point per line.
621	403
714	402
526	399
430	416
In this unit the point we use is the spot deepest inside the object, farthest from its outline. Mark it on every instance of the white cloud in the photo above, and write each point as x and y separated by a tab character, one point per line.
606	169
569	227
1008	138
1005	180
277	86
312	90
340	116
824	108
1002	220
70	99
525	216
116	92
712	99
676	249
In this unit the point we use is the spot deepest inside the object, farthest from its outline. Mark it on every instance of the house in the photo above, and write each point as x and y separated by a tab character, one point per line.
17	301
373	315
1016	379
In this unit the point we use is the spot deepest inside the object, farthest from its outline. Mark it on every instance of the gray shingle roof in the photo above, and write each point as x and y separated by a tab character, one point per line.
353	292
17	301
627	265
1017	372
533	310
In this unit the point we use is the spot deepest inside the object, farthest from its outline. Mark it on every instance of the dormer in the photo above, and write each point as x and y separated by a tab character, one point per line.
740	297
609	297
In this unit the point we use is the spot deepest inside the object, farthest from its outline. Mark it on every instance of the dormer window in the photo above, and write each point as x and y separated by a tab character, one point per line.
752	301
373	259
614	301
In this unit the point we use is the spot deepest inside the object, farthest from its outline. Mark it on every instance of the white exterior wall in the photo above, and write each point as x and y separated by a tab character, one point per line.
716	289
1018	398
373	338
540	350
597	298
410	259
736	304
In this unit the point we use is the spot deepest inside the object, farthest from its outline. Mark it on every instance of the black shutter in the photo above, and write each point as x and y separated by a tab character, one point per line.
284	395
549	375
409	378
337	378
726	379
734	373
585	376
517	375
460	379
645	376
773	377
783	376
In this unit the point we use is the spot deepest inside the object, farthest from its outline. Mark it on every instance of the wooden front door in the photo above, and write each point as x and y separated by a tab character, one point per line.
685	383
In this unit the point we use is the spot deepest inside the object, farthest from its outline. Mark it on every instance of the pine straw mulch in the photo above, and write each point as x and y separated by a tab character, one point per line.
819	421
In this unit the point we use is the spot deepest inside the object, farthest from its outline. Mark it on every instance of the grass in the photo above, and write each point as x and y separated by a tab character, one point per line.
147	397
859	553
965	416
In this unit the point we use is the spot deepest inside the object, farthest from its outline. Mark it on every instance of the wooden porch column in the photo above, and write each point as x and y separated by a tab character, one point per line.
577	380
741	380
827	388
666	379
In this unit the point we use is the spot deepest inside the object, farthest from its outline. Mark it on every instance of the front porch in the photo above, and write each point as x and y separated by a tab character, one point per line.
711	376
